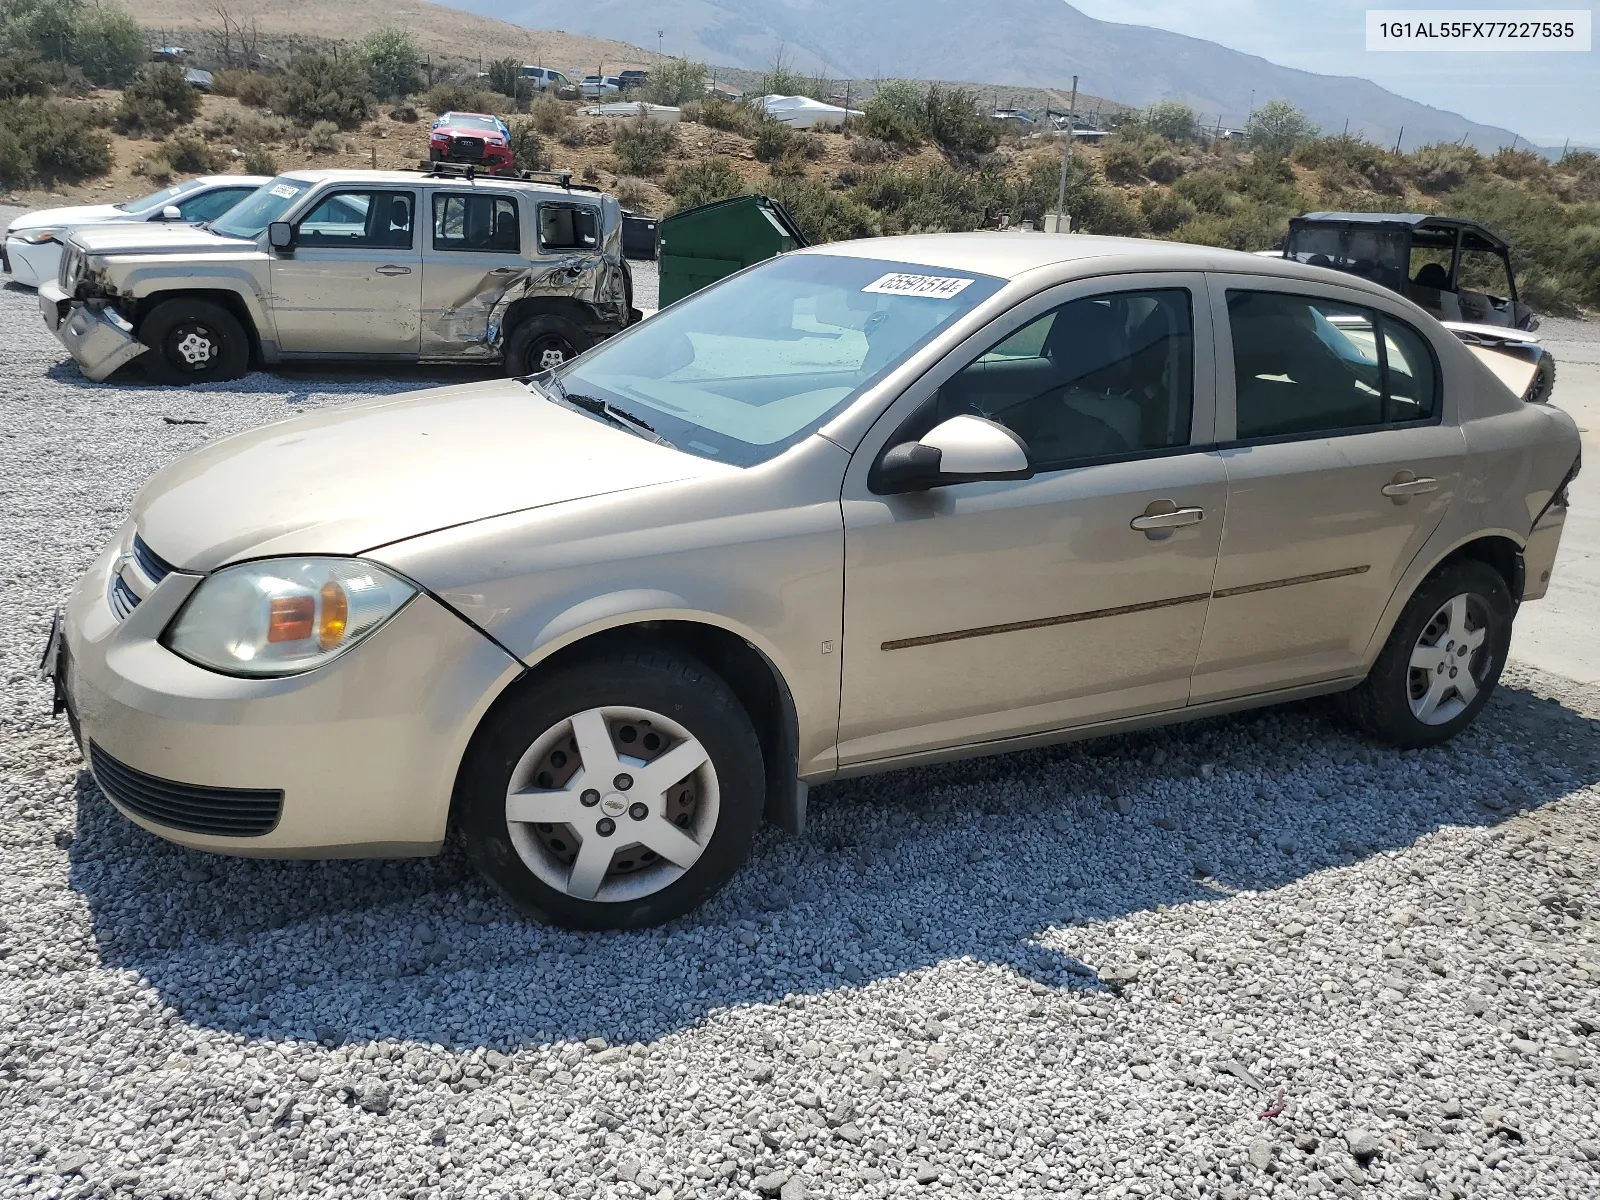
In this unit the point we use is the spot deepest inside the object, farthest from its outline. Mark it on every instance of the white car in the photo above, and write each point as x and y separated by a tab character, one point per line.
594	86
32	246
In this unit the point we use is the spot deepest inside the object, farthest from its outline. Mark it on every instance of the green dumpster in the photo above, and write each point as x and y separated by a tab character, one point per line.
705	244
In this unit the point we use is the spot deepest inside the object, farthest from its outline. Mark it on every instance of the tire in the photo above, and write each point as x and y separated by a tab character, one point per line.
527	762
193	341
1544	381
1408	699
540	343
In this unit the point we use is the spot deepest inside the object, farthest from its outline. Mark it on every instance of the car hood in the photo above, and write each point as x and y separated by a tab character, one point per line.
158	237
350	479
76	214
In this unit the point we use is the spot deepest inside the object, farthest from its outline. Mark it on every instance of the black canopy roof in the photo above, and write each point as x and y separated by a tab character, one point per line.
1479	238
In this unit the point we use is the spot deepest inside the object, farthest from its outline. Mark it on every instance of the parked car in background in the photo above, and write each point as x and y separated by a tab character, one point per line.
32	247
480	138
448	266
542	79
199	80
632	79
600	85
862	506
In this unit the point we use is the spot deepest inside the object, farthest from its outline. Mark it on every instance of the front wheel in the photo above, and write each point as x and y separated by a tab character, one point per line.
193	341
542	344
1441	662
613	794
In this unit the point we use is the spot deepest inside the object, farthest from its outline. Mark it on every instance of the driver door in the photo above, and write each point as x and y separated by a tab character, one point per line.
354	283
983	611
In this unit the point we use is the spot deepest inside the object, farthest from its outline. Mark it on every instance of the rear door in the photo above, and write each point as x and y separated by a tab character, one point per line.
354	283
1341	461
474	250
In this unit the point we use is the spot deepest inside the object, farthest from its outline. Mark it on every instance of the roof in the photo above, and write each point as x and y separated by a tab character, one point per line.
1407	221
1007	255
412	178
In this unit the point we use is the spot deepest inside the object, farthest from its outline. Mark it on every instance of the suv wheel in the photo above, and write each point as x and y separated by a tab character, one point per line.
541	344
1441	663
615	793
193	341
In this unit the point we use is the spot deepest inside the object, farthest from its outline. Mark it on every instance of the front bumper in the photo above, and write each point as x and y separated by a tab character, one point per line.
1539	555
364	750
100	339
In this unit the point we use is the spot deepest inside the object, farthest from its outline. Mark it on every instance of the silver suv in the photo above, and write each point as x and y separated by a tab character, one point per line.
389	265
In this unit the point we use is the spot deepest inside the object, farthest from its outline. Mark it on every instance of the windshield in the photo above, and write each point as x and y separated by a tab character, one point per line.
159	199
251	216
460	122
745	369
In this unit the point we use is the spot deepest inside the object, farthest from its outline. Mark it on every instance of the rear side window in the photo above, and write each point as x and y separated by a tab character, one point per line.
568	227
1305	366
486	224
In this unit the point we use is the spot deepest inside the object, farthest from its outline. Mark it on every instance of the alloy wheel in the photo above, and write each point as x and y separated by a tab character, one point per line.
1450	661
612	804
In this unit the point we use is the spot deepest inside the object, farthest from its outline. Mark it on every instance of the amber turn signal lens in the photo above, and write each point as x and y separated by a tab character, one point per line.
289	618
335	616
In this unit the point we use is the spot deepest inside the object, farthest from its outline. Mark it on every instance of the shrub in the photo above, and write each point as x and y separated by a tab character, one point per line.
405	113
1164	168
323	138
1123	163
772	138
676	81
157	102
1208	191
872	150
527	148
631	193
392	60
956	121
1443	166
153	167
48	141
550	117
107	45
189	155
731	115
1527	165
258	160
246	128
823	214
1166	212
321	88
694	184
894	114
21	75
690	111
1245	228
1172	119
256	90
505	77
640	146
1346	161
1277	128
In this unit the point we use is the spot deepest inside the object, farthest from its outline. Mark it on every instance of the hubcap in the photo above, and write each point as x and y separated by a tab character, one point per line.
612	804
194	345
1450	661
551	357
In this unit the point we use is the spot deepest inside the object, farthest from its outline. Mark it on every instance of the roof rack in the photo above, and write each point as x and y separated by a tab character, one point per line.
469	171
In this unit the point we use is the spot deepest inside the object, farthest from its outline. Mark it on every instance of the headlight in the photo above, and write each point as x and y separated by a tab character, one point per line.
37	237
283	616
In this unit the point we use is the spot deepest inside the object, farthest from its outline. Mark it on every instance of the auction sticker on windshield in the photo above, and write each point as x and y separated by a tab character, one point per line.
286	191
940	287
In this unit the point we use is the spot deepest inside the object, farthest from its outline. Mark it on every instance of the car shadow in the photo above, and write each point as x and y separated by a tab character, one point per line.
391	377
988	858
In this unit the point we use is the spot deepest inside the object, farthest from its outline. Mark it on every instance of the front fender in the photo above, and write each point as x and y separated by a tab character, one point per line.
153	282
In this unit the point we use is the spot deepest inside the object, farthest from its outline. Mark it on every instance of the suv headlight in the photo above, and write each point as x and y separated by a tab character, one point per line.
283	616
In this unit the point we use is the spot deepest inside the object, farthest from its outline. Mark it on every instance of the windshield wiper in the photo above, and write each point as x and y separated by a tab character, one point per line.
604	409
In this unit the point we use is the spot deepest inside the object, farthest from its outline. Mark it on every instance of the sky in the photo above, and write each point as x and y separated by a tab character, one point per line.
1546	97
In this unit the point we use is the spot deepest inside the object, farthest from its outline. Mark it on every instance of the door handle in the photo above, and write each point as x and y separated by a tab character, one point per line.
1406	485
392	269
506	271
1169	517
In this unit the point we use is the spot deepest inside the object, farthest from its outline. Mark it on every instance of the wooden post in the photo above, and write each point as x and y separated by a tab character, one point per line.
1066	154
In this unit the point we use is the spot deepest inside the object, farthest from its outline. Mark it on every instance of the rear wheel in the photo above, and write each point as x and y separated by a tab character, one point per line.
1441	662
193	341
615	793
542	344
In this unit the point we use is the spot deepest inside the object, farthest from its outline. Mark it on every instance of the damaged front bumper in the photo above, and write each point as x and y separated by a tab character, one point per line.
98	337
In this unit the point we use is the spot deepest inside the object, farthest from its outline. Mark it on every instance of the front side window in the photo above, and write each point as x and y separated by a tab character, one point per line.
1308	366
475	222
750	366
359	220
213	204
1102	377
568	227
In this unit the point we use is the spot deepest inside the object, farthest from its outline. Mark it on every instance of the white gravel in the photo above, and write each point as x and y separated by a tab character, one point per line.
1253	956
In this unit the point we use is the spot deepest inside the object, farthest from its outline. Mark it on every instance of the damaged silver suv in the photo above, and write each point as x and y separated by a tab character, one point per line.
525	271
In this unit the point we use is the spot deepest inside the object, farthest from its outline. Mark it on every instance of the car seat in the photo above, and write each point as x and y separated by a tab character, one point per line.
1432	275
394	230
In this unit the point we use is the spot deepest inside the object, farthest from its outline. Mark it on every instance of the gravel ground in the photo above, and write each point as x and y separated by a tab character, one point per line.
1251	956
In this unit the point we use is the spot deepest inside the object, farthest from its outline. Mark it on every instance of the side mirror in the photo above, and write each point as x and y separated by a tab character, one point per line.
280	235
964	449
172	213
